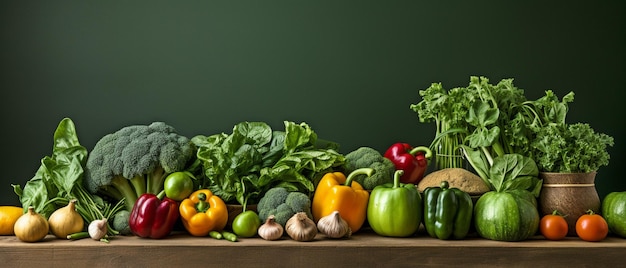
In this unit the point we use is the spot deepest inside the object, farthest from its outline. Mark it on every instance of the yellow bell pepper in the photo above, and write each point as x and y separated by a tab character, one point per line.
203	212
335	192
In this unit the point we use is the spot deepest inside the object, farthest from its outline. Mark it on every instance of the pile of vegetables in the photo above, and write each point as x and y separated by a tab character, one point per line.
508	139
142	179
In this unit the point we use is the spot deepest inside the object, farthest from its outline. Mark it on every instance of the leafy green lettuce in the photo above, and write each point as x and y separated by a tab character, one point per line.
243	165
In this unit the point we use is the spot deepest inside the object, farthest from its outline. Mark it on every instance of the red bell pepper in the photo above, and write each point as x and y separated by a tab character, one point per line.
413	161
152	217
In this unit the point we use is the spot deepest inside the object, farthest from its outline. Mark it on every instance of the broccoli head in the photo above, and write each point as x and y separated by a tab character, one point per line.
283	204
367	157
135	160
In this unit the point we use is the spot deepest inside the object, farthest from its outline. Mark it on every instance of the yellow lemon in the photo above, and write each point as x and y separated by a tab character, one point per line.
8	217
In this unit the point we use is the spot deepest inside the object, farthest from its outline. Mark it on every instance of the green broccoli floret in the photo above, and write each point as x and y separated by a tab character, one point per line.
367	157
135	160
283	205
121	223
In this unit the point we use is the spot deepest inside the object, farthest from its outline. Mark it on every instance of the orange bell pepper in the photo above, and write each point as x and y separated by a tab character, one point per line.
335	192
203	212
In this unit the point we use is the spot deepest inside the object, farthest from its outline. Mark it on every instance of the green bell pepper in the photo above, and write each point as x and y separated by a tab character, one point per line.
447	212
395	209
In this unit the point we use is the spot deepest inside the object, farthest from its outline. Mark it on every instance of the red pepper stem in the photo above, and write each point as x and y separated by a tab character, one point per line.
396	178
427	152
356	172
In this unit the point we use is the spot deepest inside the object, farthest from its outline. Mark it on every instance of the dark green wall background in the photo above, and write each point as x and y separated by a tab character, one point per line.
348	68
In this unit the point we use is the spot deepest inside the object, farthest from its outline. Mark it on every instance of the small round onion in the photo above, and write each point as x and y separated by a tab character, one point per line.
31	227
65	221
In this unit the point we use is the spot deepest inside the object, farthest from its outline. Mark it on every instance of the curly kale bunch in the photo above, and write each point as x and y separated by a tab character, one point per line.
571	148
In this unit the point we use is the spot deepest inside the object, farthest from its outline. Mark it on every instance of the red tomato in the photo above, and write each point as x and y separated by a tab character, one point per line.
592	227
553	226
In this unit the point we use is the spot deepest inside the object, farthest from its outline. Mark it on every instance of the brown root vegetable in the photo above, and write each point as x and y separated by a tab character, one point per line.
456	178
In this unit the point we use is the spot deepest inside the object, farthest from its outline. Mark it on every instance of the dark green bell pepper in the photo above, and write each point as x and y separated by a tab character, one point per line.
447	212
395	209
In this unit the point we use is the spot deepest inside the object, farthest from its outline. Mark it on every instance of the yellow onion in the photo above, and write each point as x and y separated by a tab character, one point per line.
31	227
65	221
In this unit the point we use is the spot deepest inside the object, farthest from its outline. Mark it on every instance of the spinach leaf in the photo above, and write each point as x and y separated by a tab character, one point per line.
298	136
58	174
277	146
513	171
507	172
483	118
36	193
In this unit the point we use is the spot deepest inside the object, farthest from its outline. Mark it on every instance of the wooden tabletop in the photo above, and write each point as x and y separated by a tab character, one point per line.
362	249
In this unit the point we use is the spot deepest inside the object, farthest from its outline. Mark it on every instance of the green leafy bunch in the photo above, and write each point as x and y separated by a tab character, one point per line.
489	121
243	165
571	148
448	109
59	180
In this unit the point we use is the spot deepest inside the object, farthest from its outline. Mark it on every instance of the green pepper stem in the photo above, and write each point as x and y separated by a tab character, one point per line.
427	152
396	178
202	205
444	185
356	172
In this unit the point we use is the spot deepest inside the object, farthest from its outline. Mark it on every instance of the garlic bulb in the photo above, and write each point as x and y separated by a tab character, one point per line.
301	228
333	226
65	221
98	229
271	230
